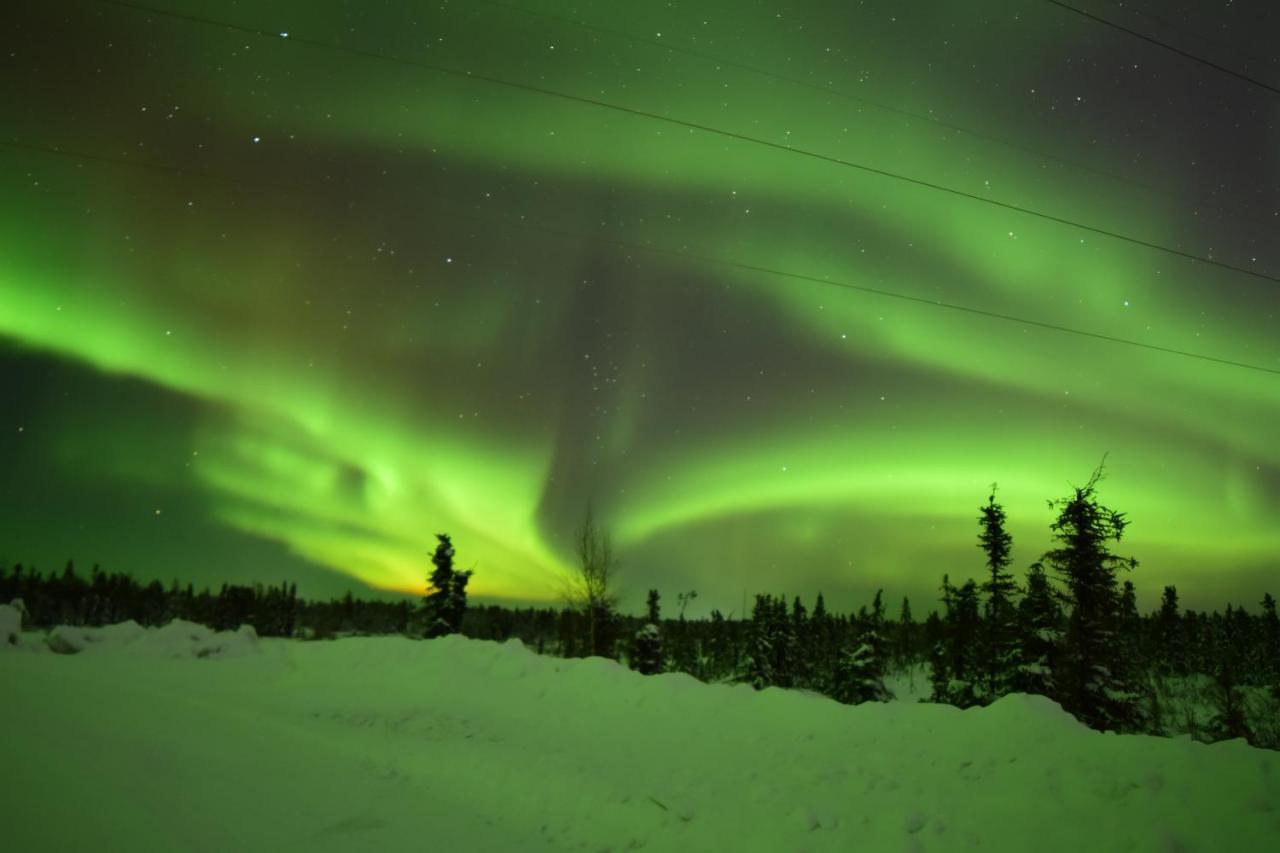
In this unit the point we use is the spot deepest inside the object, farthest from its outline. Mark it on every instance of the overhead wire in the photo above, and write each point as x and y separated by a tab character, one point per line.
1253	81
691	125
206	174
830	90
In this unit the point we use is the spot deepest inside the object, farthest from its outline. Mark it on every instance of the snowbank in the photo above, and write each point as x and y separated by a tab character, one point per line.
10	624
177	639
451	744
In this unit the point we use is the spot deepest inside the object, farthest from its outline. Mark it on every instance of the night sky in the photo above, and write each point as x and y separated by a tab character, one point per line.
296	310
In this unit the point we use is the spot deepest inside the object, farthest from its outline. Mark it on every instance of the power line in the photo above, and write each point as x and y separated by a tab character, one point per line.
1173	25
675	253
1150	40
728	134
829	90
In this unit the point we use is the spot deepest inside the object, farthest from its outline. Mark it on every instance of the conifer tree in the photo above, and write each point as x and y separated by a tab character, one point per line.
907	628
956	658
720	651
1040	624
646	656
1228	720
786	646
1269	641
1129	625
760	651
999	641
967	687
1094	681
940	645
446	600
821	655
1170	650
859	671
802	674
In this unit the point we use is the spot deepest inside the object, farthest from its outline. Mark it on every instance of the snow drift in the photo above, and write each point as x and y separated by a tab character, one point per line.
10	623
453	744
177	639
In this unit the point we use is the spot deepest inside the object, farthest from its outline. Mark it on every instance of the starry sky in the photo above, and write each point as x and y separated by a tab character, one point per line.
275	310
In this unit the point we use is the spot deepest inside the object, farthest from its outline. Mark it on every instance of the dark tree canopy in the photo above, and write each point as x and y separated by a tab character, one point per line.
446	599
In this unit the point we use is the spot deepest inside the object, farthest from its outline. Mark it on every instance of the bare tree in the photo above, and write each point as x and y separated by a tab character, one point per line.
593	588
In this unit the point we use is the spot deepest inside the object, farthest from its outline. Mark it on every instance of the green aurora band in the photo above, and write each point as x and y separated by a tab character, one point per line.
400	311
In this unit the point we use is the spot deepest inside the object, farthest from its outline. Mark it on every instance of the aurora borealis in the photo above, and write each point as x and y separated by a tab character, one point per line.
340	303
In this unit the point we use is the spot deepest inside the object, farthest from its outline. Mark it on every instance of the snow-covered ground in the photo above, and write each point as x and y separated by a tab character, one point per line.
139	743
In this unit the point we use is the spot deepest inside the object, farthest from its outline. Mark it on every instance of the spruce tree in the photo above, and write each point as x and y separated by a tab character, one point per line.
760	650
803	663
786	646
1094	680
967	686
956	659
646	654
906	641
1130	629
940	645
720	651
1040	625
1228	719
999	640
820	649
859	671
1170	652
446	600
1269	641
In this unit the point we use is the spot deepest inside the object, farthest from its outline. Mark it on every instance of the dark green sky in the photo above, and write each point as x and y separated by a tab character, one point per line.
339	304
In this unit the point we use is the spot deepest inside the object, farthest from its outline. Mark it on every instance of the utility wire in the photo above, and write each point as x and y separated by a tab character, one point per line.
728	134
1173	25
566	234
1150	40
829	90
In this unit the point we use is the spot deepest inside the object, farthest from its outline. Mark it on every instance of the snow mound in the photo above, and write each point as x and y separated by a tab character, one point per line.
389	743
10	624
71	639
181	639
178	639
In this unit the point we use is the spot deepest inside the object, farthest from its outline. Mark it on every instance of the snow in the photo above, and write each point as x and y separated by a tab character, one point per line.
138	742
10	624
177	639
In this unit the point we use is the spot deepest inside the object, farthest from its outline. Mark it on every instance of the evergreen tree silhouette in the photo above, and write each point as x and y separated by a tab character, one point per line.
1268	643
803	666
859	672
1170	649
760	651
1000	640
786	646
1228	719
906	635
967	686
446	599
1041	625
821	650
940	647
1130	628
1093	678
646	656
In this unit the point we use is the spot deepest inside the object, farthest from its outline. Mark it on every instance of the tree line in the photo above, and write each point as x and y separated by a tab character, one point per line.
1069	630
